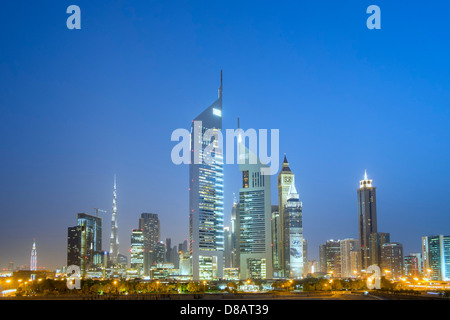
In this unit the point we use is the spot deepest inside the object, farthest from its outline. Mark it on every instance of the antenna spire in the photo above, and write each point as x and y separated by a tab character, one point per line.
221	84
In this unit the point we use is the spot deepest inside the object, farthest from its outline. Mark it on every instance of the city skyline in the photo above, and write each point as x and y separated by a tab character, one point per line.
314	254
342	103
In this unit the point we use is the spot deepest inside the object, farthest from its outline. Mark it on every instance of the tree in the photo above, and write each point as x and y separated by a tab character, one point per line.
231	287
193	287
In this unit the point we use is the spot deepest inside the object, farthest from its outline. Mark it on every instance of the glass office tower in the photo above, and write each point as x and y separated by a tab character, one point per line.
255	226
150	225
74	245
206	196
436	257
91	241
137	251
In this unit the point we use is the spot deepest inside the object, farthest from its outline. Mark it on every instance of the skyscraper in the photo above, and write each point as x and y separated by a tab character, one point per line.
367	218
411	266
183	247
305	253
355	262
114	239
293	235
74	235
322	258
175	257
419	262
168	250
233	234
436	257
392	260
150	225
206	195
330	257
376	241
137	251
159	253
227	247
91	241
285	179
33	259
275	222
255	212
347	261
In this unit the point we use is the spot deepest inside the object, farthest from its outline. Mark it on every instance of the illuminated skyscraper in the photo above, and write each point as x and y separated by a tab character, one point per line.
392	260
419	262
137	251
255	212
33	259
114	239
227	247
159	253
74	235
330	257
355	262
150	225
294	244
234	256
411	266
376	241
275	222
285	179
91	241
436	257
347	263
367	218
206	195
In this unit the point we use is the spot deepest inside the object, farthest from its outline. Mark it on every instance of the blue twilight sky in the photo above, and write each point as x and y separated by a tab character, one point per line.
78	106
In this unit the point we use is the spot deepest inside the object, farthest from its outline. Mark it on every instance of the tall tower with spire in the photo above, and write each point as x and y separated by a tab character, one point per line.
33	259
285	179
367	218
206	230
114	239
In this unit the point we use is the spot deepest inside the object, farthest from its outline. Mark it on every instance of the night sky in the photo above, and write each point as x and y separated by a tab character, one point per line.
78	106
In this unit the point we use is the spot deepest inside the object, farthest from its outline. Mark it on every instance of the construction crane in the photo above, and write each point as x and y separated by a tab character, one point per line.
97	210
